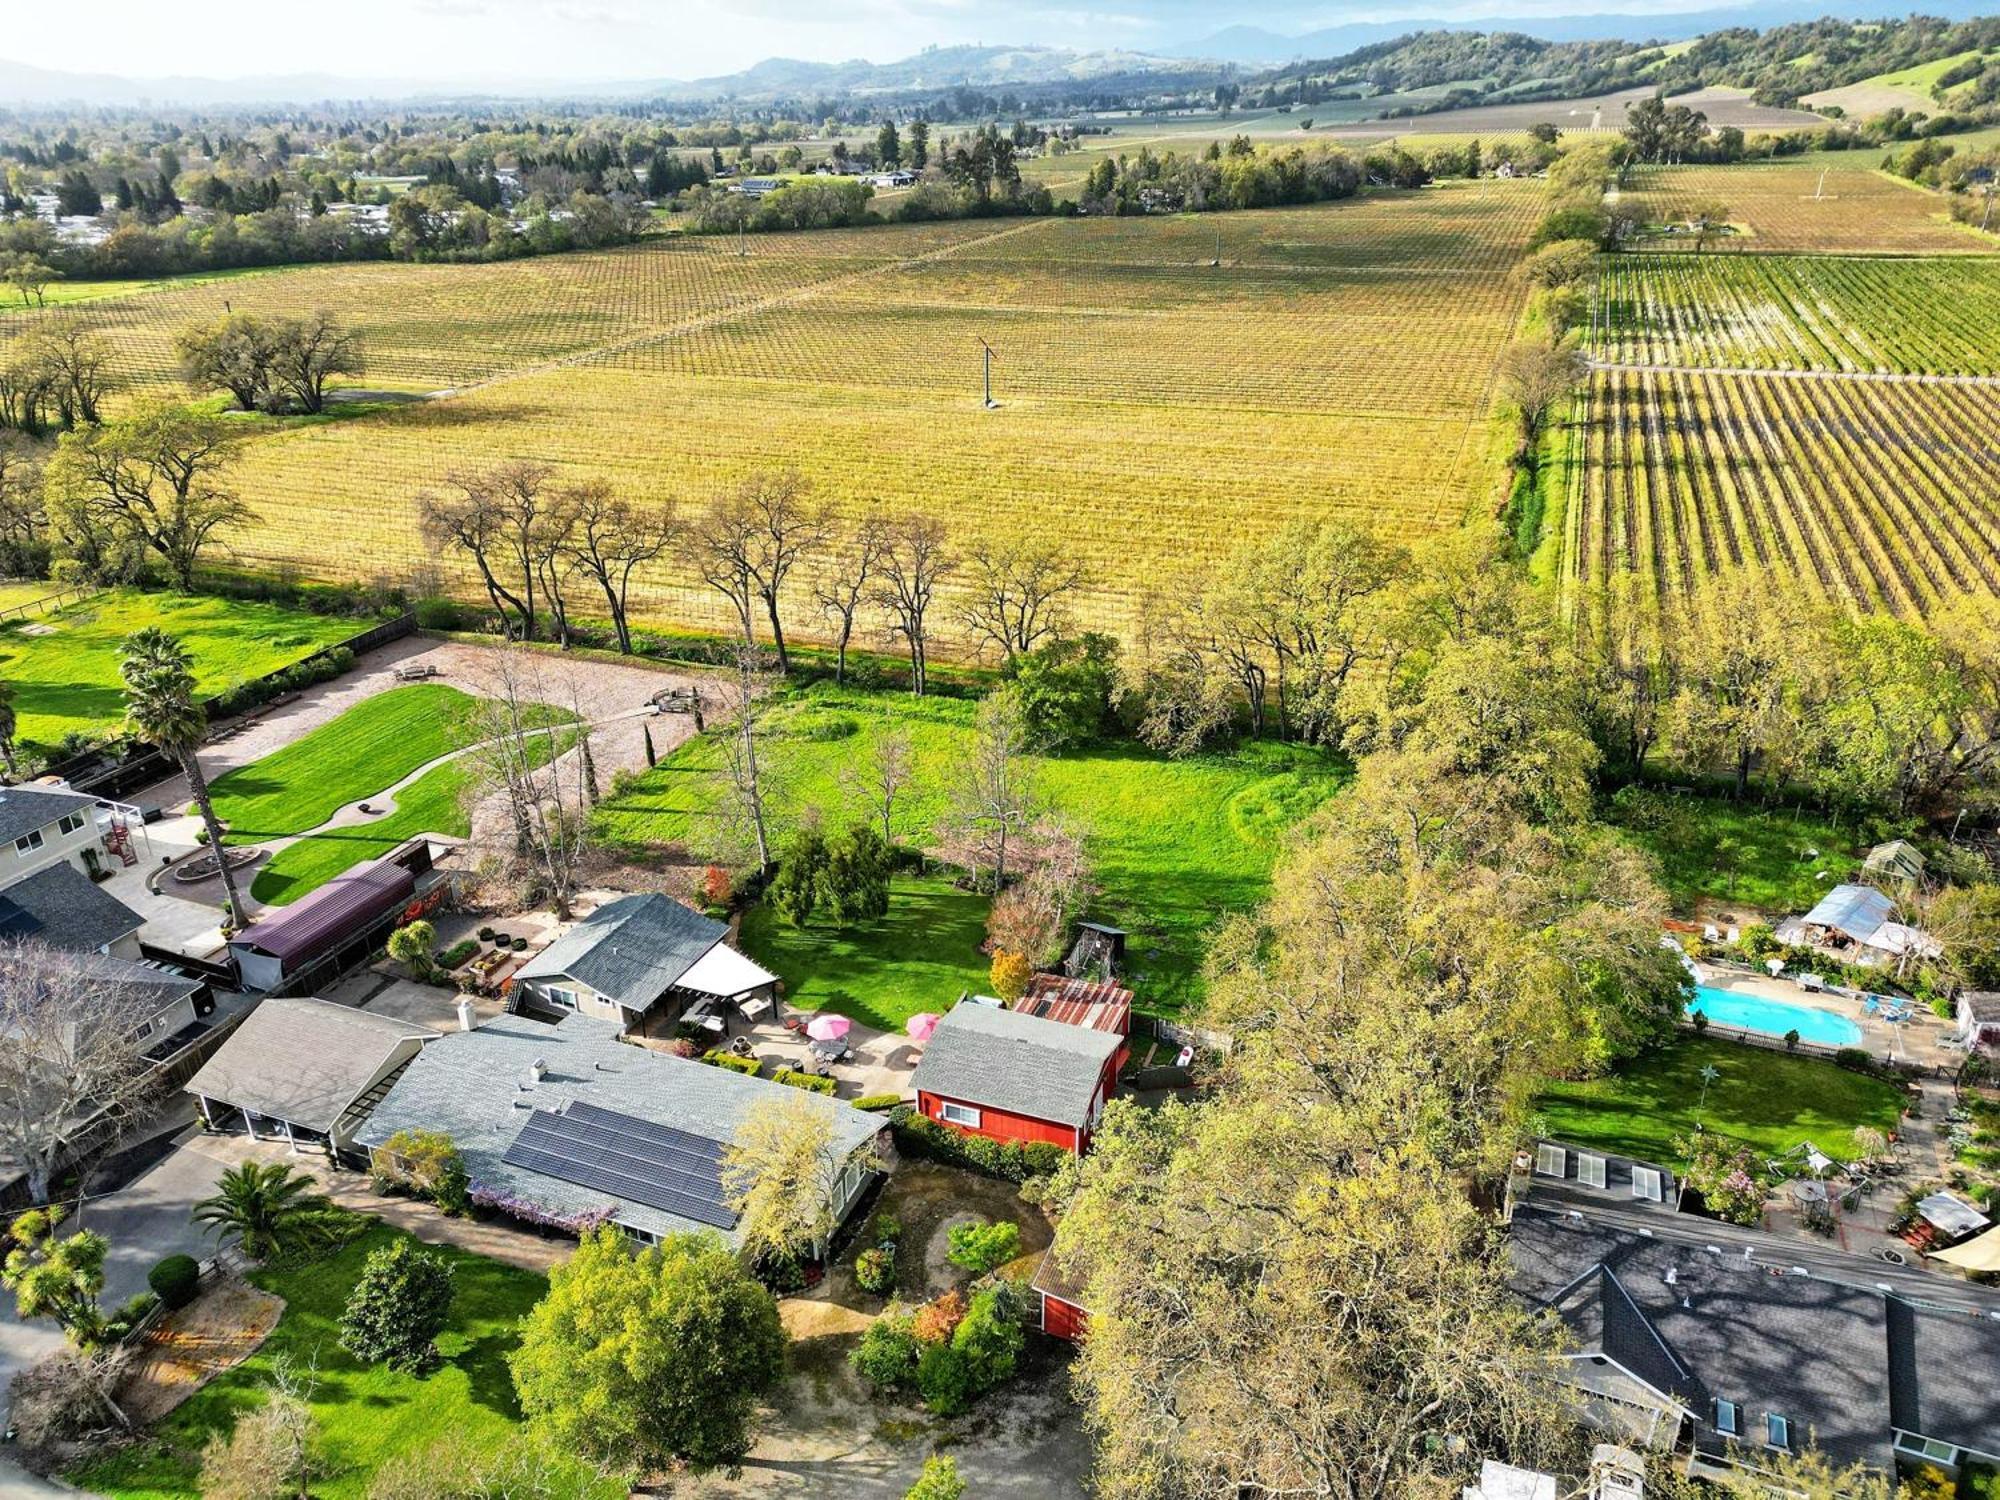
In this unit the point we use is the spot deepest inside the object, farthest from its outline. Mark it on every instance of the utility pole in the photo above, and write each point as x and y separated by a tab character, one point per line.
1819	193
742	242
990	357
1217	262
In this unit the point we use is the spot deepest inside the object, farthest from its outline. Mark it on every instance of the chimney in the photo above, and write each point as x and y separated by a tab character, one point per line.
537	1070
466	1019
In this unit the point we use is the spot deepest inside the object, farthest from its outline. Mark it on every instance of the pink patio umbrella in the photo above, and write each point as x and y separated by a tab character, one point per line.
827	1028
922	1024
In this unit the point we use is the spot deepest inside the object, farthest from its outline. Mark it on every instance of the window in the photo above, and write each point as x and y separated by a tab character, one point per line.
1590	1170
1550	1161
1777	1430
958	1114
143	1032
566	999
1725	1419
70	823
1930	1448
1646	1184
28	841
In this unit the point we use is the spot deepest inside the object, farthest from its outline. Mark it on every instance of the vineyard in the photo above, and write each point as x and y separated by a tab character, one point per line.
1154	409
1807	207
1797	313
1884	495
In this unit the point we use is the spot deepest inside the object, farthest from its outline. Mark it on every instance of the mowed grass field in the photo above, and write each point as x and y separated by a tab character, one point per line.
1176	844
1154	409
63	666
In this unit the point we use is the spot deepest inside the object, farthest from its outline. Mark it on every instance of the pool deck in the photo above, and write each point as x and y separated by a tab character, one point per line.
1918	1040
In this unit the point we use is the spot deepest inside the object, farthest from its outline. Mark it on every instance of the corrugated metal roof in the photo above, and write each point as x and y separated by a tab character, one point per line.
1023	1064
318	921
1853	910
1078	1002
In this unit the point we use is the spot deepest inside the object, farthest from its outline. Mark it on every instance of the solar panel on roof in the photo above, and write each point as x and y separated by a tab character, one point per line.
630	1158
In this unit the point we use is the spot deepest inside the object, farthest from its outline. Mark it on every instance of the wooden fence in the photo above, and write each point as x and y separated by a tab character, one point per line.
54	600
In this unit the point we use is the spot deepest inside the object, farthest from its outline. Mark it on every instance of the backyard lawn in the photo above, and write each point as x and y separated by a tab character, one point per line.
67	680
922	956
371	746
1768	1101
367	1414
1177	844
1739	852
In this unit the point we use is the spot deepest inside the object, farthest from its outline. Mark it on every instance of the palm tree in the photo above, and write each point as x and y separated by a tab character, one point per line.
161	708
9	725
268	1209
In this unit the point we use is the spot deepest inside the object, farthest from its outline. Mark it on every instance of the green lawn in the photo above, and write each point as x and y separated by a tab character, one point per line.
922	956
68	679
367	1414
1176	843
371	746
1741	852
433	803
1768	1101
63	293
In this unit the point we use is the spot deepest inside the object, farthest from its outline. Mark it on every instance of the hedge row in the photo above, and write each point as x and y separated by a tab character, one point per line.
918	1136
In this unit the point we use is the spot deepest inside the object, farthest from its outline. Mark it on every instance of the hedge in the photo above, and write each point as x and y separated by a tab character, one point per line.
1011	1160
798	1080
878	1102
748	1066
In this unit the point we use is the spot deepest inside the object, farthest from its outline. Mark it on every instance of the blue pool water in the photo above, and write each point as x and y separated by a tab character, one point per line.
1774	1017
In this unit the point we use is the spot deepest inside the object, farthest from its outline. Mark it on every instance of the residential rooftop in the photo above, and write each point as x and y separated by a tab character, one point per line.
1023	1064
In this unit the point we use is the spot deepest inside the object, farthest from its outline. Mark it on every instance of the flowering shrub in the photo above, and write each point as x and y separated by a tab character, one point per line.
530	1212
1725	1179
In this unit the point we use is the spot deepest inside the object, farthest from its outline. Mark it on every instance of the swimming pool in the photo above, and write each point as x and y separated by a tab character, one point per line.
1774	1017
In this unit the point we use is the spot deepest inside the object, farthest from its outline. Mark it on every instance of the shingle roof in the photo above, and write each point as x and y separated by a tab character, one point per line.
1841	1359
1855	910
142	986
1020	1063
65	908
1981	1005
476	1087
26	808
302	1060
632	950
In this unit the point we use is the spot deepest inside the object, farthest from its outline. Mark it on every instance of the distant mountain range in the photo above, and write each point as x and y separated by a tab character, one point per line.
933	68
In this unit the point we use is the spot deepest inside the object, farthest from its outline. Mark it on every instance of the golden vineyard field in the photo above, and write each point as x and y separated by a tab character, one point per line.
1155	410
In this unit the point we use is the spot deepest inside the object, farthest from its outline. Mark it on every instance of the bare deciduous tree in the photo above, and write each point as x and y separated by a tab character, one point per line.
609	538
312	350
844	587
740	761
915	558
1019	584
71	1071
992	799
751	539
494	517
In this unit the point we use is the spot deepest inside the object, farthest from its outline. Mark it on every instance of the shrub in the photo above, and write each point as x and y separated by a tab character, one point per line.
810	1081
989	1338
921	1137
1009	975
887	1355
938	1319
944	1380
519	944
716	886
130	1311
486	934
1854	1059
685	1047
888	1229
748	1066
1758	942
939	1481
425	1164
980	1248
398	1308
878	1102
875	1271
175	1280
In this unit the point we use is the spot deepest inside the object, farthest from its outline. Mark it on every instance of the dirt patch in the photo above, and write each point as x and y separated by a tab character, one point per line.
185	1350
927	1199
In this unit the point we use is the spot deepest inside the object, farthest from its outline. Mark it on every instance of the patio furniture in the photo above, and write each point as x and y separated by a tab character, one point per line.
830	1052
416	672
922	1024
755	1008
742	1046
828	1028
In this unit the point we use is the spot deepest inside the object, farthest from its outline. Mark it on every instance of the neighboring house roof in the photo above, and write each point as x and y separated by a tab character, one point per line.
1054	1279
631	951
317	921
67	909
1897	857
23	809
147	988
478	1088
1838	1359
1078	1002
1015	1062
1852	910
302	1060
1981	1005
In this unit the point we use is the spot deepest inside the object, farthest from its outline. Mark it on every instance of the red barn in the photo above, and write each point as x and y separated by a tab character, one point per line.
1063	1315
1017	1077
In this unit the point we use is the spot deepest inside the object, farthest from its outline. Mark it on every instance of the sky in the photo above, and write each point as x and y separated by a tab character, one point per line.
490	41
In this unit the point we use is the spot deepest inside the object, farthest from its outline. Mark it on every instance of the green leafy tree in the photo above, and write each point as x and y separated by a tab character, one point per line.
57	1277
854	881
398	1308
270	1211
10	725
645	1359
780	1172
939	1480
795	889
980	1248
161	708
1065	688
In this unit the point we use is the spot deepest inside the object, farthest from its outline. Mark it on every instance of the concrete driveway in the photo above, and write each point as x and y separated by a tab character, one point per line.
149	1219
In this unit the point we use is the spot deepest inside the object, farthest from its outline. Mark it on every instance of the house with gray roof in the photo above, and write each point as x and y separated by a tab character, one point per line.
47	825
305	1071
643	961
570	1125
1707	1351
63	907
1014	1076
